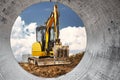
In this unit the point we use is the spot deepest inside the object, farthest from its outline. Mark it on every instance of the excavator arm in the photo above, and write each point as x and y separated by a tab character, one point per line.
56	21
53	19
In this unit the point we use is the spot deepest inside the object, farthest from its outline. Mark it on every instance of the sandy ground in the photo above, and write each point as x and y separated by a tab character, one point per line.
53	71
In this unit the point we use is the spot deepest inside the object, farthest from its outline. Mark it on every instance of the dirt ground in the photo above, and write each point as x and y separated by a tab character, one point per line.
53	71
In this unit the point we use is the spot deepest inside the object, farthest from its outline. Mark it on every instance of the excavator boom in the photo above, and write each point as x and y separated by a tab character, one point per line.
53	19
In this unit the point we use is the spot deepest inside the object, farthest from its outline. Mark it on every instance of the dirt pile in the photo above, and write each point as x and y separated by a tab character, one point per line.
53	71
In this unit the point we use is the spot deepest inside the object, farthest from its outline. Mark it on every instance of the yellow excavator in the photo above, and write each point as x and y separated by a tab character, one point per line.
48	49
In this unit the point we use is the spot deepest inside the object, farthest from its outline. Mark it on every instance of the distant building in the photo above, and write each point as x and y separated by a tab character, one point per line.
25	57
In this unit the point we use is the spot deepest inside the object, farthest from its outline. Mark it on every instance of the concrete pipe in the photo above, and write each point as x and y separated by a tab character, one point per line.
102	57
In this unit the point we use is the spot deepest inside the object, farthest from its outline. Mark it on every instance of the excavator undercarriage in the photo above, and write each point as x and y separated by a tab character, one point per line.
48	61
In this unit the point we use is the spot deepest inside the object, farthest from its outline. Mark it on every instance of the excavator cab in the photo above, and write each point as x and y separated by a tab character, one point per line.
40	37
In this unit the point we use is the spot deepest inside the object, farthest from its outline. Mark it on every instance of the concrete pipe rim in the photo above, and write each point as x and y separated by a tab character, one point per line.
98	62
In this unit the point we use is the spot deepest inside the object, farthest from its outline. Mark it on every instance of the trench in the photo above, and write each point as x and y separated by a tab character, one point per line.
102	56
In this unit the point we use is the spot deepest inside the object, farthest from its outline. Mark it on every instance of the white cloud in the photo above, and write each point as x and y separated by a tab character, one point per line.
17	28
23	36
75	37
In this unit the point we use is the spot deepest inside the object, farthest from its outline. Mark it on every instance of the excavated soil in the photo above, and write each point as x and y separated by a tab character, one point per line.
53	71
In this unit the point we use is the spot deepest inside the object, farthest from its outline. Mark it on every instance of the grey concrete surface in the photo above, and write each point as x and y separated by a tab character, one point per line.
102	58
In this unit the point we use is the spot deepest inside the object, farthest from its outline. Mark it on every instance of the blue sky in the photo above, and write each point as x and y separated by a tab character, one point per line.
40	12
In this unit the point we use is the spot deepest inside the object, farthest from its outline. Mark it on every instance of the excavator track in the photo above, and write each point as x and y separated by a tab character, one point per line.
48	61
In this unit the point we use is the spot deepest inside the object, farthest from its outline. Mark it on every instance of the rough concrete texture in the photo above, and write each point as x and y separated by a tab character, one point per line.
102	58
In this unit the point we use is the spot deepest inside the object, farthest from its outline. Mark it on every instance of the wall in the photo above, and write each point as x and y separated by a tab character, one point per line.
102	57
